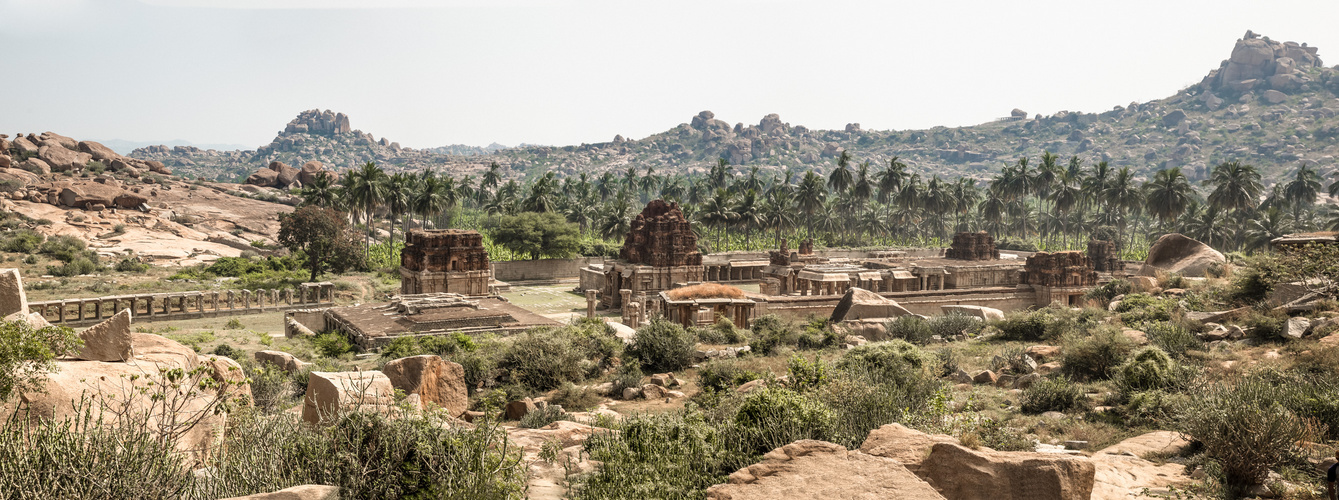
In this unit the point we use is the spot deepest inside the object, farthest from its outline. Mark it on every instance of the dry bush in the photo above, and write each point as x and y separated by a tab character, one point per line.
706	291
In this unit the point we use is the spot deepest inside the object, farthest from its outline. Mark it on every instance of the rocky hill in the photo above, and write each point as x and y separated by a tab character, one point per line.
1272	104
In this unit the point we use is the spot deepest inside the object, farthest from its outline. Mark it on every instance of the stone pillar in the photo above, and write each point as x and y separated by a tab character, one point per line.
215	300
287	294
274	297
200	302
626	295
60	312
591	296
231	296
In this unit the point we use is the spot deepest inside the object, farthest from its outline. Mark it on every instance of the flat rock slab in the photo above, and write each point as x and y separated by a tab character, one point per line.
819	469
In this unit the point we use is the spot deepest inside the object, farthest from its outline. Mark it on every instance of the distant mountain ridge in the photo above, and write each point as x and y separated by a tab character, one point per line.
1272	104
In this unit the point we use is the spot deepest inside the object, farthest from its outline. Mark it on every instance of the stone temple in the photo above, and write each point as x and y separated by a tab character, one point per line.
659	252
444	261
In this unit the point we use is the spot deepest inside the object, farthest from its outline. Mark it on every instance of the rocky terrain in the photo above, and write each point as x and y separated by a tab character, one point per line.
1270	103
123	206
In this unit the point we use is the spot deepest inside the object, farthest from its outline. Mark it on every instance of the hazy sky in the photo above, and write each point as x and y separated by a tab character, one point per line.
430	73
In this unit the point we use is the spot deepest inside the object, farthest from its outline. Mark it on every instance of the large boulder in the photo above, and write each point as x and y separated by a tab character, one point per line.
332	393
129	200
5	160
1176	253
13	299
23	145
819	469
225	370
434	379
109	340
63	160
263	178
960	473
99	152
311	170
859	303
35	166
907	446
282	360
979	312
284	174
1122	473
87	194
54	139
304	492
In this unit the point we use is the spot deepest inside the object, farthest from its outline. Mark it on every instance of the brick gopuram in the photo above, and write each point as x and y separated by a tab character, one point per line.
444	260
1104	256
1060	277
972	246
660	250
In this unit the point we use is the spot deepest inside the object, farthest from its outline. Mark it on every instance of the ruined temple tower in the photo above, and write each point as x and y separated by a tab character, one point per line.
444	260
659	251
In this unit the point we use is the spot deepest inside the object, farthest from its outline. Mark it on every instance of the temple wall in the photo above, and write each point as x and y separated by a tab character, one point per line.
543	269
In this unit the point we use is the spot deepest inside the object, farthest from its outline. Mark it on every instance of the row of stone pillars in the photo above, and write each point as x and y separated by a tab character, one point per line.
149	306
730	273
810	287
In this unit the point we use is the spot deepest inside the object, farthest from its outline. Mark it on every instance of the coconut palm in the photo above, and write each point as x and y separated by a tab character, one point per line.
890	179
398	194
321	192
810	196
719	211
862	186
1236	186
1302	191
366	190
778	211
615	218
840	178
750	215
1168	194
491	177
1270	224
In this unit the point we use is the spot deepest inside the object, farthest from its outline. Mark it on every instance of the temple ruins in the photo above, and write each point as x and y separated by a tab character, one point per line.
444	261
371	326
660	252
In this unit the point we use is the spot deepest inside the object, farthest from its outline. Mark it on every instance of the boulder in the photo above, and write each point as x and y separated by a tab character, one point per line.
1295	328
960	473
56	140
666	380
13	299
908	446
225	369
1048	368
871	329
129	200
284	174
304	492
263	178
99	152
23	145
1143	284
109	340
1136	336
1175	253
1156	442
35	166
5	160
1121	472
63	160
1173	118
980	312
310	171
86	194
859	303
653	391
1273	96
162	351
332	393
819	469
284	361
1043	352
515	410
434	379
986	377
157	167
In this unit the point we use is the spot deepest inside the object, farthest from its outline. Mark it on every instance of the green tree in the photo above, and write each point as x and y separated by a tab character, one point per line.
27	354
1236	186
319	233
538	235
840	179
1168	194
810	196
1302	191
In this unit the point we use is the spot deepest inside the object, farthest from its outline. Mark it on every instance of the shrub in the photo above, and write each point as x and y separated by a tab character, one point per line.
1023	325
723	374
1171	337
542	417
1109	290
1157	408
229	352
726	332
864	401
77	267
1264	326
27	354
22	241
912	329
1245	429
669	455
1148	369
234	324
131	265
948	326
771	332
480	366
895	361
1097	355
572	397
773	417
663	346
1137	308
65	248
1052	394
332	345
272	389
543	359
806	375
628	375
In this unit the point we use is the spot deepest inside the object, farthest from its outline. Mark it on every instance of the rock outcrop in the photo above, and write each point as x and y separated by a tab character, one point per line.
1260	63
109	340
332	393
434	379
304	492
1176	253
859	303
819	469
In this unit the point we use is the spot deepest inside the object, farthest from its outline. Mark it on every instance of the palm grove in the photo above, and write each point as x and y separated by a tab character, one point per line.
1045	203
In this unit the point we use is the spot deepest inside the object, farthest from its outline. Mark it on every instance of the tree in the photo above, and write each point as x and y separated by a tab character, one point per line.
840	179
1168	194
1303	190
537	235
1236	186
321	192
399	192
27	354
366	190
810	196
319	233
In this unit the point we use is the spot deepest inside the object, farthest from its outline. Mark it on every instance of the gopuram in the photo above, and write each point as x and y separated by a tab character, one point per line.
659	252
444	261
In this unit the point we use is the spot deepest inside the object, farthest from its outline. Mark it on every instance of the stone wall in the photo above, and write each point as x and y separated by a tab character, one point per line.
184	305
542	269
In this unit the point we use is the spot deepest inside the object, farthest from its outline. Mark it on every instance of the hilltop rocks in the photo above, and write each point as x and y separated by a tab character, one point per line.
315	121
435	380
280	175
706	121
98	151
1259	62
819	469
1175	253
62	159
1273	96
264	177
311	170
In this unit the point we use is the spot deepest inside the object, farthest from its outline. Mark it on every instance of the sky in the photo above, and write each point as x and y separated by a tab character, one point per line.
430	73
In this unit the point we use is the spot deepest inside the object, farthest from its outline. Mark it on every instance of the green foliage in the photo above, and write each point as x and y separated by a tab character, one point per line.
1138	308
1096	356
542	417
272	389
896	361
817	334
332	345
772	417
441	345
806	375
1109	290
669	455
67	249
1053	394
723	332
1023	325
131	265
591	247
628	375
21	241
1148	369
543	359
234	324
27	354
912	329
1172	338
663	346
77	267
1245	428
723	374
537	234
1264	325
1156	408
320	234
229	352
948	326
575	398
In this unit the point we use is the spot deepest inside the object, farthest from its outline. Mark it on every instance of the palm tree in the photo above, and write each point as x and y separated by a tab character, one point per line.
750	214
840	179
491	176
1122	196
863	186
1096	183
541	196
890	179
719	174
429	199
1168	194
992	210
778	211
1064	198
615	218
1236	186
810	196
937	200
1264	228
1302	191
321	191
606	186
366	189
719	211
398	194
